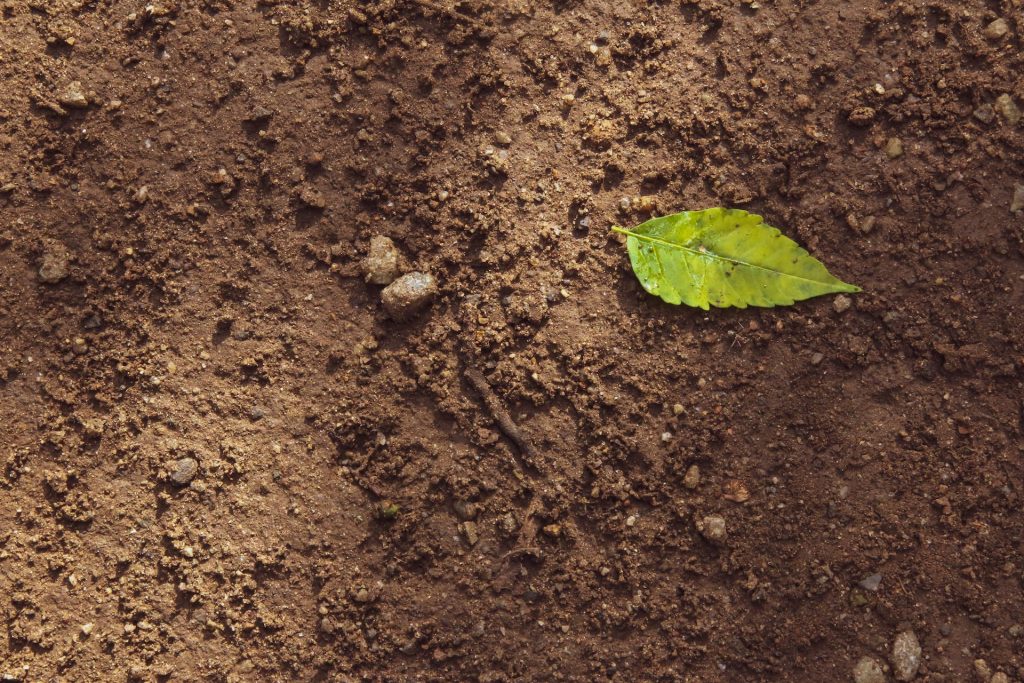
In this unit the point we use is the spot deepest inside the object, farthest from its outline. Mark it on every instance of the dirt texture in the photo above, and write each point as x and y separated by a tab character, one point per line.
221	459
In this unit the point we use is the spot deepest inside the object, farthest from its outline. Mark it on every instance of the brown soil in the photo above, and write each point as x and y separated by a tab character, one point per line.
187	190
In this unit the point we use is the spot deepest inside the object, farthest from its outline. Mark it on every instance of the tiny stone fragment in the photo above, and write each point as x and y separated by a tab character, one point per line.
381	263
73	96
54	266
1017	203
841	303
997	29
871	583
469	529
894	148
1008	109
868	670
712	528
184	471
691	479
408	294
906	656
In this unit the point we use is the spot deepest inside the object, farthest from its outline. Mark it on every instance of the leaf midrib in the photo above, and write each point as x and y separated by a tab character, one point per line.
713	255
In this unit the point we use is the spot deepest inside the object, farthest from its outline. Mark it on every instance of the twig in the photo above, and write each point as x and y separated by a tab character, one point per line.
501	416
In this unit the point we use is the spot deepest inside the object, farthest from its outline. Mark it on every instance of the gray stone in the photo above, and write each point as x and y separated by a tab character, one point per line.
183	471
868	670
906	656
54	266
841	303
381	264
712	528
408	294
871	583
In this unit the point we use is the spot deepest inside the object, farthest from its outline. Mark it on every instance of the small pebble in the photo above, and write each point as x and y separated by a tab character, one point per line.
184	471
871	583
469	529
999	677
691	479
817	357
841	303
73	96
381	263
503	138
677	409
712	528
982	671
906	656
54	266
86	629
408	294
997	29
1008	109
868	670
1017	203
894	148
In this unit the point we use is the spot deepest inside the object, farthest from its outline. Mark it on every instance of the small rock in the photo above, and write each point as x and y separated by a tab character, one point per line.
997	29
817	357
86	629
257	413
362	595
868	670
906	656
381	264
982	671
841	303
1018	198
73	96
503	138
712	528
677	409
691	479
894	148
985	113
871	583
999	677
184	471
1008	109
54	266
408	294
469	530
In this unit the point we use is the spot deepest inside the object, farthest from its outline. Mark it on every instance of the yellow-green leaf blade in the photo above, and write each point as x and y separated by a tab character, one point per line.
724	257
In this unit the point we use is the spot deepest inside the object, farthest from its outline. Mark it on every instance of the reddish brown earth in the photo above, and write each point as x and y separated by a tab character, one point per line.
180	277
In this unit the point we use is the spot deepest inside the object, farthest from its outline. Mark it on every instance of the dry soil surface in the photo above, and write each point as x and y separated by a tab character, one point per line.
222	460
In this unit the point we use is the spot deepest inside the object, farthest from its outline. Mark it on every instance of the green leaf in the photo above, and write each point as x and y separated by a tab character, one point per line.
724	257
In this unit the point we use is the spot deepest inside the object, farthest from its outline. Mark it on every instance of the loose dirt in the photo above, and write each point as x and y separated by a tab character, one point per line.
221	460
